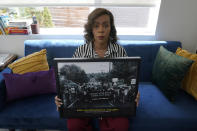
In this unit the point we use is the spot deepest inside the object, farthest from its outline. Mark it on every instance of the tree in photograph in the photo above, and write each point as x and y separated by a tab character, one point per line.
74	73
123	70
102	77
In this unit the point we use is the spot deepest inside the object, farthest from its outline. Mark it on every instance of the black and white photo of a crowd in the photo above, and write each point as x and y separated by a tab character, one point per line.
97	84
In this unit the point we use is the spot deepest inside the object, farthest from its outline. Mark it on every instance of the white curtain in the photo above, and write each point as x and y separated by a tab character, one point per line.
118	3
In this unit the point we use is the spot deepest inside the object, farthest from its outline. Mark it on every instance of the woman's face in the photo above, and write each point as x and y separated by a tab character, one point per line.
101	29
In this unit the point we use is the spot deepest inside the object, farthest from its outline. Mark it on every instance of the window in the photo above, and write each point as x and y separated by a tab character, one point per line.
132	17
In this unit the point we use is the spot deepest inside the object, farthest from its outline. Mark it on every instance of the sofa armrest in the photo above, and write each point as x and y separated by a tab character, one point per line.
3	87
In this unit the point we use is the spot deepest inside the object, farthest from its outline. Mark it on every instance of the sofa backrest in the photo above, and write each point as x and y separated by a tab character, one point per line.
147	50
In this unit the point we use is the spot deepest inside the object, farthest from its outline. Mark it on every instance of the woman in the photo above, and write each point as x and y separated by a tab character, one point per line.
101	42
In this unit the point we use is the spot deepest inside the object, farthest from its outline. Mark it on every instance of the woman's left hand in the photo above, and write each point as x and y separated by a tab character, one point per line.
137	99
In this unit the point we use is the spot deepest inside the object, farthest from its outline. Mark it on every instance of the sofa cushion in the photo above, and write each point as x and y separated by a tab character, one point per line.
29	84
168	72
189	83
2	87
156	113
55	48
33	112
34	62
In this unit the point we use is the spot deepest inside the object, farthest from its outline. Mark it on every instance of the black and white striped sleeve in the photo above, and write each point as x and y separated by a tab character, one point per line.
123	52
77	53
83	51
117	51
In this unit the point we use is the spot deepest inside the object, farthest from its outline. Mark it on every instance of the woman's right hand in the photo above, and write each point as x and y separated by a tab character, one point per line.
58	102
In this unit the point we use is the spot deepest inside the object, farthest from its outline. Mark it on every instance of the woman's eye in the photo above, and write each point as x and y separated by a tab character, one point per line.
106	25
96	26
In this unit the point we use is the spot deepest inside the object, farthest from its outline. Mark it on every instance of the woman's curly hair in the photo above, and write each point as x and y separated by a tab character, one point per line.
89	37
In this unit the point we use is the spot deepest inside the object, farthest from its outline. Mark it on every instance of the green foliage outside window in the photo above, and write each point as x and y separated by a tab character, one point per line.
42	14
47	21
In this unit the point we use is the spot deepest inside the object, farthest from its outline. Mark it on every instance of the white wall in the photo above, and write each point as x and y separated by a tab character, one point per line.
177	21
15	43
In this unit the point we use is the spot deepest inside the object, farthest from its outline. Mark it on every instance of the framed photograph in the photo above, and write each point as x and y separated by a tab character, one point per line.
97	87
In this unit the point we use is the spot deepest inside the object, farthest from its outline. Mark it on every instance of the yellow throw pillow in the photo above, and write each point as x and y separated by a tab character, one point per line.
32	63
189	83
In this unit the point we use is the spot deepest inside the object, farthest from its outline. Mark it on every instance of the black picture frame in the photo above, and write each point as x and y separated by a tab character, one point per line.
97	87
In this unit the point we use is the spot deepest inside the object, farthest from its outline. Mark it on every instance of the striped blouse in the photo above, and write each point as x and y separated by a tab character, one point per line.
87	51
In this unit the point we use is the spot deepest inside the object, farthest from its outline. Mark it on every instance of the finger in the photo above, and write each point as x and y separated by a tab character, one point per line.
58	99
137	102
137	98
58	103
138	94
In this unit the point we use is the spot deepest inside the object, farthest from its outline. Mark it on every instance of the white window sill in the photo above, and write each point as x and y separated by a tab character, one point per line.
77	33
80	31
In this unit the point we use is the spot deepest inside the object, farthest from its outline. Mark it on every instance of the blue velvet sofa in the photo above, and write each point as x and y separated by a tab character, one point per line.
154	112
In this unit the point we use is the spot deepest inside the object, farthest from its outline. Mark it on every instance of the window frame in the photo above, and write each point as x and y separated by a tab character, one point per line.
98	3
